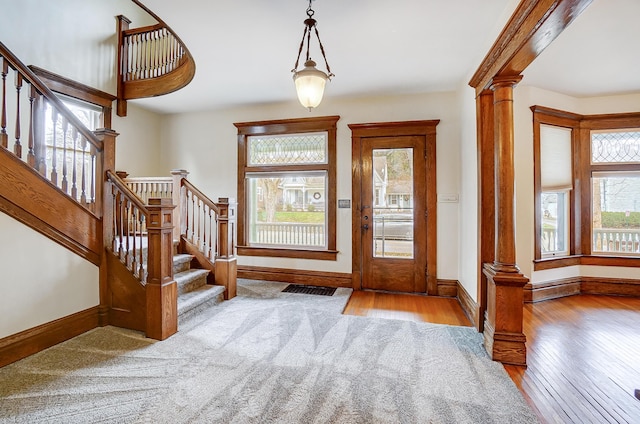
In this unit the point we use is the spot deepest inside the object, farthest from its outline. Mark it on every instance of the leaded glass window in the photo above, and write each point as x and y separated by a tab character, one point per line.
287	149
615	147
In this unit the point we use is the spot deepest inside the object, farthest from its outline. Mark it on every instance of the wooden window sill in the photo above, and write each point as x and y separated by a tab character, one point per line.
602	260
324	255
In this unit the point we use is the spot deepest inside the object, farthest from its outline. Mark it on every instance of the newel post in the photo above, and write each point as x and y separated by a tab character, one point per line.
161	288
178	194
503	336
226	267
105	194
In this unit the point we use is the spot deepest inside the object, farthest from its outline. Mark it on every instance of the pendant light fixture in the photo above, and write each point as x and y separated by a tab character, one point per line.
310	81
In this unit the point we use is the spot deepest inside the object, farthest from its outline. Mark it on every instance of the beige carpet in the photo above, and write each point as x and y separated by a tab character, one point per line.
267	357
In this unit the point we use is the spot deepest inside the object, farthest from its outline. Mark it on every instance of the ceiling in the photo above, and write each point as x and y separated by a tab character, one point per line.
245	50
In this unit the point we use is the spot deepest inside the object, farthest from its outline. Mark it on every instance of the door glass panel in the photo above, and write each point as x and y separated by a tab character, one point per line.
393	203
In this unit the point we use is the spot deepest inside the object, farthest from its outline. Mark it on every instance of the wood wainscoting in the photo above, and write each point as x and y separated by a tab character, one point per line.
536	292
34	340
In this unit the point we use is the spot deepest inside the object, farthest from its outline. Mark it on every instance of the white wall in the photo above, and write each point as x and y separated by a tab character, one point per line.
138	145
80	46
205	143
468	251
41	281
525	97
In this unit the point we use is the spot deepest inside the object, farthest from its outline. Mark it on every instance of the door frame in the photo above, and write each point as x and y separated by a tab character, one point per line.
426	128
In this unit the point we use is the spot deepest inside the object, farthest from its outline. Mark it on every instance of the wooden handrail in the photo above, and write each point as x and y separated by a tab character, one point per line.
210	203
124	188
142	30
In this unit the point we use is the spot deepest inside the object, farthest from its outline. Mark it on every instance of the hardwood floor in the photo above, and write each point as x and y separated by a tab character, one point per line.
439	310
583	352
583	356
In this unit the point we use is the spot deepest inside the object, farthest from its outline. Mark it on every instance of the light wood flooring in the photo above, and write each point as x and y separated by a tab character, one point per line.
439	310
583	352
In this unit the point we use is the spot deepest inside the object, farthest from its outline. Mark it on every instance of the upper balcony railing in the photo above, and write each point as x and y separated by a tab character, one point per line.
152	61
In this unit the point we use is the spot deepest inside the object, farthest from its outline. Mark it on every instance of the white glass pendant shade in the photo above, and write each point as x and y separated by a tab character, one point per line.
310	84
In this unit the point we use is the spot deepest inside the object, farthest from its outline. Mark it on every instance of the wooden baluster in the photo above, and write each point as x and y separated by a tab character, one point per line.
136	240
141	260
65	129
199	215
4	139
54	144
193	218
127	232
17	147
211	235
203	218
83	192
114	214
31	157
74	173
92	175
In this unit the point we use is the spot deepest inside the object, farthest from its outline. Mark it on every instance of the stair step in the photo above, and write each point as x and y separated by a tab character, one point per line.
181	262
194	302
190	280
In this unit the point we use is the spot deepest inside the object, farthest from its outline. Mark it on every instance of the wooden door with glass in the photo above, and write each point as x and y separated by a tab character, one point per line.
394	207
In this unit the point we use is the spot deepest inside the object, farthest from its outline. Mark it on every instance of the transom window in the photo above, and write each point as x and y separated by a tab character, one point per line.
286	188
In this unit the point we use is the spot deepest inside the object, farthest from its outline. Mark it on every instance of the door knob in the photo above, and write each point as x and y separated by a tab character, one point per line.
365	226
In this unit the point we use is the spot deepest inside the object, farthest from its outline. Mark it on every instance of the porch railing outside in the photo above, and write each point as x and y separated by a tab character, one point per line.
288	233
616	240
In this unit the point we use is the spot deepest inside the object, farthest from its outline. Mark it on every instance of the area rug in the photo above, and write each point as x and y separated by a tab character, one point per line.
267	357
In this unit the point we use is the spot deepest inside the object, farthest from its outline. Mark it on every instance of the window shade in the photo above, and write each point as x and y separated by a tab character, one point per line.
555	158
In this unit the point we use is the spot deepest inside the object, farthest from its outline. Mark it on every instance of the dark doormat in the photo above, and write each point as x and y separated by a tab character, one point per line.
297	288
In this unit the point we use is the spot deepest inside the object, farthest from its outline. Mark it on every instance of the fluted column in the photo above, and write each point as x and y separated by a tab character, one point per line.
503	335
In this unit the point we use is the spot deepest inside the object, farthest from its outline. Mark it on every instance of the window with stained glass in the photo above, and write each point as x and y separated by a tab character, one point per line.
286	201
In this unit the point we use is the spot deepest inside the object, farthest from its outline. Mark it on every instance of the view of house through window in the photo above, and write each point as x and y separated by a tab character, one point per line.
615	192
393	204
287	208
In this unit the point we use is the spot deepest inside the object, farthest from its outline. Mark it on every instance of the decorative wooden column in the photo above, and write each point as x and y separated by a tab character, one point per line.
108	138
178	194
161	288
503	336
226	267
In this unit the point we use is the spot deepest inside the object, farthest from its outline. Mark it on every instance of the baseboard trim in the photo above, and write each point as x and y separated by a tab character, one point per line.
469	306
36	339
537	292
448	288
296	276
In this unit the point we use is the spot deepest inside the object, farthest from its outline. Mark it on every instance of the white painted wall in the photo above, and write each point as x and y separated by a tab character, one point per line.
525	97
45	34
41	281
205	143
138	145
468	250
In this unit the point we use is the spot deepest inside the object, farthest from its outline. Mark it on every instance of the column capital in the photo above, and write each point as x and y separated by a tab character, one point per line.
505	81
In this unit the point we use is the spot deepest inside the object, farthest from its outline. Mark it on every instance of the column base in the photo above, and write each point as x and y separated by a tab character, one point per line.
503	337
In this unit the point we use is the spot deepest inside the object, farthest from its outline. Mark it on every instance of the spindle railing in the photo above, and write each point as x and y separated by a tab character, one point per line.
129	215
58	145
147	255
204	228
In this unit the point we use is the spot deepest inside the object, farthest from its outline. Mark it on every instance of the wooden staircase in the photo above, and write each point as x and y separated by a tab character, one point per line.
162	258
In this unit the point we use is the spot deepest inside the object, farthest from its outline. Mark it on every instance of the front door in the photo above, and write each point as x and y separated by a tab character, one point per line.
394	207
393	214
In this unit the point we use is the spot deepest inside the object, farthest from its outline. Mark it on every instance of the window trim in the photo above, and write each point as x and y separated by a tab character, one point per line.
580	203
326	124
